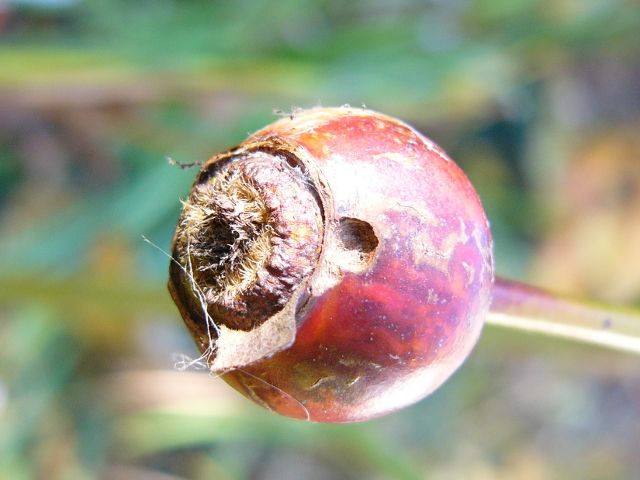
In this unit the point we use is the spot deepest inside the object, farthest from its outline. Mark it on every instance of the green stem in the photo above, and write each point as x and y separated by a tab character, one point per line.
522	307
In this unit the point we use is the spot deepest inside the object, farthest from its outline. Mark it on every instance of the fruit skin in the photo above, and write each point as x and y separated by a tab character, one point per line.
404	279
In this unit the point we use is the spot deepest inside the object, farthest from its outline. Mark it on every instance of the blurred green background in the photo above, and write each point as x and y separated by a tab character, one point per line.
538	100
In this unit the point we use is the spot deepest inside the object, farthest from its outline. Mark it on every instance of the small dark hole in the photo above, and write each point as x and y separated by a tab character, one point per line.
357	235
222	239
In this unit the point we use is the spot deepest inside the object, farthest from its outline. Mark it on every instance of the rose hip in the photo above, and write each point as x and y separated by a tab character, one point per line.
335	266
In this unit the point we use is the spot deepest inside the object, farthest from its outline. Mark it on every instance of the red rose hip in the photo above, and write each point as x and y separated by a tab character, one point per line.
334	267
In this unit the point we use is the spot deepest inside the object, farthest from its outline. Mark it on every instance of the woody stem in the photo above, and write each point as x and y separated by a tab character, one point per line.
522	307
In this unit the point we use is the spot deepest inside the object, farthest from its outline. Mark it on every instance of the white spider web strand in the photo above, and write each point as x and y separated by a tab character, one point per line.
210	350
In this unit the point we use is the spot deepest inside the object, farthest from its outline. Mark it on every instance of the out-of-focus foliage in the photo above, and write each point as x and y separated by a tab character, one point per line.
538	100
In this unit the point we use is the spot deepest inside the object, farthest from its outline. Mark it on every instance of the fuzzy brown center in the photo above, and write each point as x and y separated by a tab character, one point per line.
230	234
249	234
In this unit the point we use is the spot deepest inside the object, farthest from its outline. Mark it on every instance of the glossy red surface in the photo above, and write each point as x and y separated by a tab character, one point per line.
386	333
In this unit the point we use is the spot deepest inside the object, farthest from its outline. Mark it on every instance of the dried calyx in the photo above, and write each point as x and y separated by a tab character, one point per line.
250	233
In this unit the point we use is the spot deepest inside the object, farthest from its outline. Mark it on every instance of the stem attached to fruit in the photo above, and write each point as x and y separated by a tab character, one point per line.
522	307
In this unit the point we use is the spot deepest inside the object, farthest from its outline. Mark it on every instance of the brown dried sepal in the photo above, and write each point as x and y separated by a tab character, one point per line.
249	236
